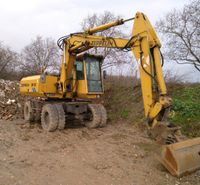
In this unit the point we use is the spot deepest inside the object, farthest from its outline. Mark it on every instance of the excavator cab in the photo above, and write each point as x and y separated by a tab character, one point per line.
89	74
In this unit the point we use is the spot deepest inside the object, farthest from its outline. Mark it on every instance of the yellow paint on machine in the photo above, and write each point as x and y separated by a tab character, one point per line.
38	85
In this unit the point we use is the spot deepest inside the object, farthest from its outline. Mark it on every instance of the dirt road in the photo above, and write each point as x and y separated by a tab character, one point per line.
119	154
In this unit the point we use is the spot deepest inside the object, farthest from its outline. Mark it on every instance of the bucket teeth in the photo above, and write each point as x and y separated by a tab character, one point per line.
170	139
164	134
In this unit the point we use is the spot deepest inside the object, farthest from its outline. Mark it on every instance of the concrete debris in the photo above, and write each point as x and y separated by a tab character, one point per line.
2	94
10	100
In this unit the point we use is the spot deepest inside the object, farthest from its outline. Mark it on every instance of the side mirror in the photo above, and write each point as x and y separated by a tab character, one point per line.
104	74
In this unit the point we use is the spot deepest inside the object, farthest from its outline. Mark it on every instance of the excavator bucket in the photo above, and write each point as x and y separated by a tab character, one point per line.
182	158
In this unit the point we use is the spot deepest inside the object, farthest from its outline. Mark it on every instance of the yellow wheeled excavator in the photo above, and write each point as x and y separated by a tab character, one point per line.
68	96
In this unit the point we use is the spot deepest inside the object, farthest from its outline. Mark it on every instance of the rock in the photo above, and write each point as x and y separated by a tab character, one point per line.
9	102
19	105
2	94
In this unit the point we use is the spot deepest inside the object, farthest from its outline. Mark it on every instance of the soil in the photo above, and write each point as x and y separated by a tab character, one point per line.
119	154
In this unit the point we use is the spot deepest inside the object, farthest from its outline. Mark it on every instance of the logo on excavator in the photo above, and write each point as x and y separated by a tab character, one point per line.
103	43
33	89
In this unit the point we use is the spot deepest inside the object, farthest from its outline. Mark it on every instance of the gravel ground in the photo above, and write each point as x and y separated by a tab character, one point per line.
119	154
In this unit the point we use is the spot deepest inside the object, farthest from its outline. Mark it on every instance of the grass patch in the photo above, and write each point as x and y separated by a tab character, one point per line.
123	101
186	109
124	114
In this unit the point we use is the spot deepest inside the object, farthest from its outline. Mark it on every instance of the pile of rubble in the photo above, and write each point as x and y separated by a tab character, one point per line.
10	100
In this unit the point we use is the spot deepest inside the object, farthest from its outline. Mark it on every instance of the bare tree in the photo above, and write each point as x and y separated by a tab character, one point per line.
112	56
181	32
40	53
8	62
173	77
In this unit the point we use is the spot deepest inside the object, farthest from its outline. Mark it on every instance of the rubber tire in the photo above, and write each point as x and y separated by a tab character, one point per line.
28	112
103	116
49	110
37	106
61	116
96	114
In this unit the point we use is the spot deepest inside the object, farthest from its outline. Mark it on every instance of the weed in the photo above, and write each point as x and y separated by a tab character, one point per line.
124	114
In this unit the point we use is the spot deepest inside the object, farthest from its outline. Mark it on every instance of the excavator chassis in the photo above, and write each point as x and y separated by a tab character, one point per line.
55	115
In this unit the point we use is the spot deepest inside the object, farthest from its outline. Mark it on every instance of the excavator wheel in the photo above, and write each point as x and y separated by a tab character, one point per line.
95	118
61	116
37	113
28	111
103	116
49	117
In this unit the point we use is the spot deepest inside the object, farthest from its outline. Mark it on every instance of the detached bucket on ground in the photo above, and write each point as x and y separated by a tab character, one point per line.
182	157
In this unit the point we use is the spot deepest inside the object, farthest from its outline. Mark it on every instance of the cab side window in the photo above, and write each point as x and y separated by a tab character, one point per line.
79	70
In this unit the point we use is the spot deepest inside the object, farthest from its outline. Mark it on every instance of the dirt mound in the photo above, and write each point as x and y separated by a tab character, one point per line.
10	100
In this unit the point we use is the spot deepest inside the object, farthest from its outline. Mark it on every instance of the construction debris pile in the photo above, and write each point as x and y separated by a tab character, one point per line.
10	100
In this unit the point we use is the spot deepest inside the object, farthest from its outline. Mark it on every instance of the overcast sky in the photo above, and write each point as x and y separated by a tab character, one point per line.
23	20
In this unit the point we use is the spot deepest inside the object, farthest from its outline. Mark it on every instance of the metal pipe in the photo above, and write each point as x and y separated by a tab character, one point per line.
130	19
107	26
104	27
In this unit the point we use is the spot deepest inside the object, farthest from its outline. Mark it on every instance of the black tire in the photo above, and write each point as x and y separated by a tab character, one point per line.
28	112
95	116
49	117
38	110
61	116
103	116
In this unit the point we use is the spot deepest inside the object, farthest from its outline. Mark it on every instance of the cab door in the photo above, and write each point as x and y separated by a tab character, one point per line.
93	73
